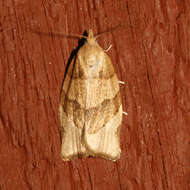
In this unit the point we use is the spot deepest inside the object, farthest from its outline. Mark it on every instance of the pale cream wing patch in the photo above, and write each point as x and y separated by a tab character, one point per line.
72	139
105	143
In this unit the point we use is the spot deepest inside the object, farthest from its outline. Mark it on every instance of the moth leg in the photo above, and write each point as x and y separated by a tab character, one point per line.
106	50
125	113
121	82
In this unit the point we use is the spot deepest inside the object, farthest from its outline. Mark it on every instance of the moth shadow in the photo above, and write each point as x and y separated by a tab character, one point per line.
73	54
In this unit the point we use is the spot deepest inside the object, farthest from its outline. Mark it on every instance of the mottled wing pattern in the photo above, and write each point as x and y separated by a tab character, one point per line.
71	114
103	112
90	108
103	98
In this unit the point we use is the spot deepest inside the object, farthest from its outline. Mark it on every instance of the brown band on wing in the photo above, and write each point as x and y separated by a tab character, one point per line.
96	117
80	74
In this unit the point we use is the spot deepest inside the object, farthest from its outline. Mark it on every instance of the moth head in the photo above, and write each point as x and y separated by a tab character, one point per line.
91	39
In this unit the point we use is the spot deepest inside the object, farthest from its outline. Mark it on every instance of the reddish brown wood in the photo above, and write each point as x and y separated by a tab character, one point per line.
151	54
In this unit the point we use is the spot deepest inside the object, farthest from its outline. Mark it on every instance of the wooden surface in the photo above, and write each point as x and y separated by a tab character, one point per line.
150	53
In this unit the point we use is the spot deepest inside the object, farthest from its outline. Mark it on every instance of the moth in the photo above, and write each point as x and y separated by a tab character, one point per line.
90	108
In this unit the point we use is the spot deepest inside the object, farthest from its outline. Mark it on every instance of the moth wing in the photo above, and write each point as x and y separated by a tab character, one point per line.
71	138
103	120
71	116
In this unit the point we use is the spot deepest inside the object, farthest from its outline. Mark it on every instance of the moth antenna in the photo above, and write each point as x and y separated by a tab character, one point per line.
101	34
113	29
70	35
61	34
76	36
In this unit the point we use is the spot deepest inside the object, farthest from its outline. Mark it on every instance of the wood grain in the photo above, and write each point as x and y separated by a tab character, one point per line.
150	53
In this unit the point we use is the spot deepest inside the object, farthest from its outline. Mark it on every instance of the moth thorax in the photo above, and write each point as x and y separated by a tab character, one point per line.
93	60
94	66
91	41
93	56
